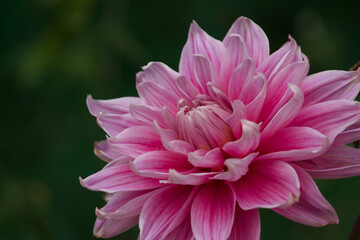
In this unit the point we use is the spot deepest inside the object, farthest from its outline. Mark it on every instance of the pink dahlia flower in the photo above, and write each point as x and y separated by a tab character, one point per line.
235	130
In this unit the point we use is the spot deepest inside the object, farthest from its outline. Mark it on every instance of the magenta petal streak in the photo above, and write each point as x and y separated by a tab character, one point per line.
234	130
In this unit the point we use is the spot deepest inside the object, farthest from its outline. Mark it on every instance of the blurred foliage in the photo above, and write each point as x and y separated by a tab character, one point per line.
55	52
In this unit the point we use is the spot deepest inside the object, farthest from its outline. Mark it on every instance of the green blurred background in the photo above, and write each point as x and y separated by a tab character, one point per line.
55	52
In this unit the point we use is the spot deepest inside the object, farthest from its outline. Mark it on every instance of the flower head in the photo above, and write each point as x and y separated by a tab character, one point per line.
235	130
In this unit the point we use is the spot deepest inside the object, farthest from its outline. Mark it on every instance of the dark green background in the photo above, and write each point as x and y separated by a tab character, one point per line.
53	53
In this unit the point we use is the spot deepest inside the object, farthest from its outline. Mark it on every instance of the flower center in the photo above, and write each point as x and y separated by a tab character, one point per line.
202	123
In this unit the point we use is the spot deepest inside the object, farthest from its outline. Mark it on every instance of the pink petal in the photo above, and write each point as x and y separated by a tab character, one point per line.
294	144
349	135
330	118
111	228
188	90
255	40
259	87
339	161
206	159
267	184
113	124
124	205
204	72
183	231
156	164
234	56
160	74
288	53
246	225
164	211
147	114
285	114
212	213
312	208
236	168
157	96
219	96
238	114
118	178
248	141
113	106
331	85
135	141
104	152
199	42
242	73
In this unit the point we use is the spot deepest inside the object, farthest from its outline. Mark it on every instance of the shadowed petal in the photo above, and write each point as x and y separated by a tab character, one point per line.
212	213
312	208
243	73
206	159
255	40
183	231
147	114
106	153
204	72
246	225
267	184
111	228
113	124
192	178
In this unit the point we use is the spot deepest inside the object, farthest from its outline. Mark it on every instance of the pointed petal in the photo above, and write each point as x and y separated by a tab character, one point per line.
156	164
339	161
192	178
331	85
135	141
267	184
284	115
246	225
157	96
113	124
294	144
235	118
259	87
330	118
212	213
160	74
118	178
164	211
104	152
288	53
234	56
111	228
255	40
187	89
112	106
147	114
206	159
312	208
204	72
236	168
248	141
199	42
241	74
349	135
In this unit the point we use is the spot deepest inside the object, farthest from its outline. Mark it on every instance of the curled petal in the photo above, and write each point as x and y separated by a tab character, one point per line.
234	119
212	213
206	159
312	208
147	114
248	141
114	124
267	184
255	40
113	106
191	178
204	72
106	153
111	228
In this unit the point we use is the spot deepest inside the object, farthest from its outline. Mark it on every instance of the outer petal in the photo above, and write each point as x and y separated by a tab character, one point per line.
104	152
255	40
339	161
111	228
294	144
248	141
113	124
267	184
199	42
147	114
330	118
350	134
156	164
164	211
113	106
246	225
331	85
312	208
212	213
135	141
118	178
183	231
